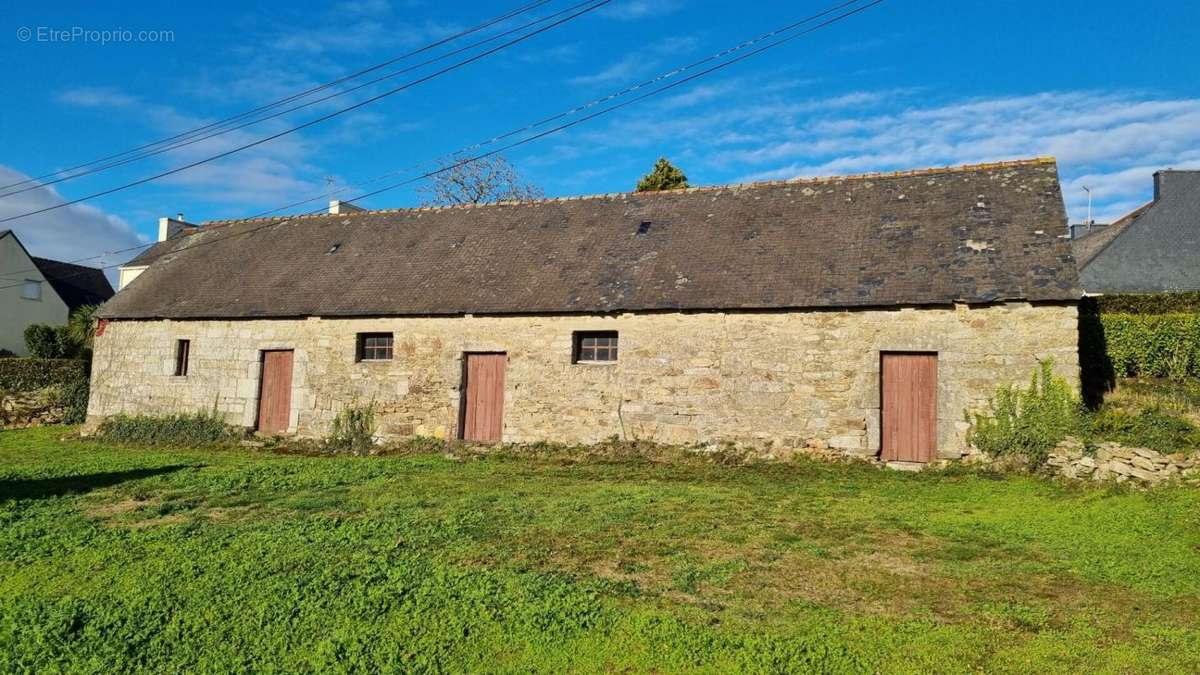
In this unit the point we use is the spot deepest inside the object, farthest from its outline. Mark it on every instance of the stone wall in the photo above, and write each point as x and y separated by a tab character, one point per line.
30	408
1113	462
784	379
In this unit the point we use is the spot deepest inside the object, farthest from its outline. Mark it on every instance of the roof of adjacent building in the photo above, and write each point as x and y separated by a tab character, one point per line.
1154	248
1087	245
76	285
979	233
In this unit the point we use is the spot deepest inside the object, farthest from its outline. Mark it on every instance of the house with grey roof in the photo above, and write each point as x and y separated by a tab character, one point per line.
40	290
1155	248
862	314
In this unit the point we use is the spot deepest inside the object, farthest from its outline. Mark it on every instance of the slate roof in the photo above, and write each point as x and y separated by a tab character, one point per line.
978	233
148	255
1088	245
77	285
1155	248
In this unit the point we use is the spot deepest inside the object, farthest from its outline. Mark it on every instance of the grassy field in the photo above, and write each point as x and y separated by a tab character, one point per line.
125	559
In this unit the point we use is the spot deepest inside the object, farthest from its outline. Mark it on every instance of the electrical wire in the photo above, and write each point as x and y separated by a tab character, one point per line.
318	120
288	99
655	92
280	113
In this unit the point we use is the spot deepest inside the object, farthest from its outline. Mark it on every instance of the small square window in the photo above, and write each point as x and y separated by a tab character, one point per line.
183	349
596	346
31	290
374	346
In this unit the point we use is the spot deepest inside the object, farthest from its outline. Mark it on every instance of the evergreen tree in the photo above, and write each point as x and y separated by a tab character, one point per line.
664	176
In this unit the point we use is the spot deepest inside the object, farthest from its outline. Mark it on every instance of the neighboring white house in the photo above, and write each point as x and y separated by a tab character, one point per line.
39	290
167	228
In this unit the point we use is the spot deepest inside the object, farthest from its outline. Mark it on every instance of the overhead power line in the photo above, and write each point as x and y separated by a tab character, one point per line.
293	97
590	8
766	36
582	107
286	111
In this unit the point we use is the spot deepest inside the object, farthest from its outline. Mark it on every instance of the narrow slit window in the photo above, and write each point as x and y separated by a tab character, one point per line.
374	346
596	347
183	349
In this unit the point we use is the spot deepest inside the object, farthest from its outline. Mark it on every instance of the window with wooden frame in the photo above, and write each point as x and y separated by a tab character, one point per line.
183	349
374	347
597	346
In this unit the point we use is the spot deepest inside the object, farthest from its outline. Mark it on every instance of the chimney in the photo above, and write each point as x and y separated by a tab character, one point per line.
340	208
1171	181
169	227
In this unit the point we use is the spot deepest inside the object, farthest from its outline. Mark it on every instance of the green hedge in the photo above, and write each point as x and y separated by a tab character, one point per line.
1149	303
50	342
1155	345
34	374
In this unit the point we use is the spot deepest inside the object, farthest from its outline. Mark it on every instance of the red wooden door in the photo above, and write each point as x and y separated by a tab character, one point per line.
483	413
909	424
275	392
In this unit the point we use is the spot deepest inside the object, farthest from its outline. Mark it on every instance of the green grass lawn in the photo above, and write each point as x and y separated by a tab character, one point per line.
125	559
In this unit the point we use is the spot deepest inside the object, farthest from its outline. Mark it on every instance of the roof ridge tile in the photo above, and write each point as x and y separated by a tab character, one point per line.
815	180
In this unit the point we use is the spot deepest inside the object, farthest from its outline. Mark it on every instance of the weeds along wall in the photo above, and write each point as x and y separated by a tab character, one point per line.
761	379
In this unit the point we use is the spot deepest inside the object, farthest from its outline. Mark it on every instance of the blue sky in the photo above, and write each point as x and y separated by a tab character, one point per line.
1110	88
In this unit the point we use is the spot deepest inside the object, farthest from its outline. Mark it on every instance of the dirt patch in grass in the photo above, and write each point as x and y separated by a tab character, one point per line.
170	519
881	573
117	509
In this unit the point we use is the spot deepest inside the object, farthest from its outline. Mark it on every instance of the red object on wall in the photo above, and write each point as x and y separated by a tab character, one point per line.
100	326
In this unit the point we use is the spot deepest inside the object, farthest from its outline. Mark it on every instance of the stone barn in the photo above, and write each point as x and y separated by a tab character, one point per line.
864	314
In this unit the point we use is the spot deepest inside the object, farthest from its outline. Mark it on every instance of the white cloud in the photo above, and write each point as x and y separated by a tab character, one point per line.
1111	141
97	97
632	10
70	233
620	71
638	62
266	175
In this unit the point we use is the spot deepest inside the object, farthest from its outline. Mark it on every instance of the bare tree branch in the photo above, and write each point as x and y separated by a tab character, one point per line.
489	179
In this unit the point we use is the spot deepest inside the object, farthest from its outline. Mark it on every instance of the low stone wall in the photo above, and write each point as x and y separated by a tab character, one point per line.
29	409
1112	461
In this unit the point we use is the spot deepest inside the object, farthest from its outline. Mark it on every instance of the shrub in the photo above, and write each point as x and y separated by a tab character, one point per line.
1155	345
7	354
1149	427
1149	303
1028	422
353	431
50	342
34	374
73	397
183	429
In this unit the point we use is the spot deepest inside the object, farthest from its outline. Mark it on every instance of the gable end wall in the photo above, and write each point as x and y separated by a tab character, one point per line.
765	379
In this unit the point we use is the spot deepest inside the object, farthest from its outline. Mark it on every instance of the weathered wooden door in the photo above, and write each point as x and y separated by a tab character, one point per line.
483	403
275	392
909	418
